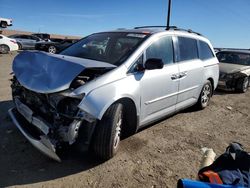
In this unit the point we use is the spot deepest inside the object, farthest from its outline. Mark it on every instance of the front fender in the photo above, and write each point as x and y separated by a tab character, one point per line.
100	99
246	72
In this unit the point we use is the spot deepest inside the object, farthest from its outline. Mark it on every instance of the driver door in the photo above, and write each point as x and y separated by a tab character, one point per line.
159	87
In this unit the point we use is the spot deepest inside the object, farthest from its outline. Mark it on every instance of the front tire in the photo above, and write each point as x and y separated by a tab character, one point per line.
107	134
4	49
205	95
243	84
19	46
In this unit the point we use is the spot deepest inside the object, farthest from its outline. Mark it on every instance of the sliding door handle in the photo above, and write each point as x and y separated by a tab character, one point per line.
183	74
174	76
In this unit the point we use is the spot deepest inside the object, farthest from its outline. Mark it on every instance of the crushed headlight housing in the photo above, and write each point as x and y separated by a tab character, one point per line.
68	93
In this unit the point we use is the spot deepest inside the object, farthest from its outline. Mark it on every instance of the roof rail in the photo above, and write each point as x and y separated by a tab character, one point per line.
151	26
170	28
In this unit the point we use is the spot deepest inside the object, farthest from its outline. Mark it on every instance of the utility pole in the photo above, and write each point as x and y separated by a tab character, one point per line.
169	13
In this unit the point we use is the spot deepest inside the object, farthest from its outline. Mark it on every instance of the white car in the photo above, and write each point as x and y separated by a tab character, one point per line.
7	44
5	22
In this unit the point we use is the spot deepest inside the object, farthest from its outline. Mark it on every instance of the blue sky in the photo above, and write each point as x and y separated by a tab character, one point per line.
225	22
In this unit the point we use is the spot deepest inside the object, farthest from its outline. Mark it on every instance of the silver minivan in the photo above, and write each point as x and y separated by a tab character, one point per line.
108	85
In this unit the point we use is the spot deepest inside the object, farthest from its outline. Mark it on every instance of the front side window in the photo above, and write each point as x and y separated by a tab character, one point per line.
161	49
188	49
110	47
137	66
205	51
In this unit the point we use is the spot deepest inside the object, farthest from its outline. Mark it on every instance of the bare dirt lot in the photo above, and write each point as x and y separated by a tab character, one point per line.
155	157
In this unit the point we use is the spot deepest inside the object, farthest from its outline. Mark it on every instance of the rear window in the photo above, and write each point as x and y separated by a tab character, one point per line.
205	51
188	49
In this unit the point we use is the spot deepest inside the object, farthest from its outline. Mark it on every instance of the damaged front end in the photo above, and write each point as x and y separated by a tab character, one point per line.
48	121
229	81
51	120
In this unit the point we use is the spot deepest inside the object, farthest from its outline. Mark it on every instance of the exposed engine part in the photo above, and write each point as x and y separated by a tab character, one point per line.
87	75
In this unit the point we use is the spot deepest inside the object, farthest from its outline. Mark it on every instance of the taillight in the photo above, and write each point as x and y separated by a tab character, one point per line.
13	41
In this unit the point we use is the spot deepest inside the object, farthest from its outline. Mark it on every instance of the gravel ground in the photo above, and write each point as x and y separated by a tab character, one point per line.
155	157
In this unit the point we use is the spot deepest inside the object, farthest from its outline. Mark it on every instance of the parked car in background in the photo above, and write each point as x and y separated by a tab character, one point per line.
5	22
26	42
234	69
7	44
217	50
44	36
108	85
55	45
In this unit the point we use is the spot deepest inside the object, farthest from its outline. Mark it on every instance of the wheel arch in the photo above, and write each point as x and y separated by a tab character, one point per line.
131	118
98	110
130	113
212	83
20	46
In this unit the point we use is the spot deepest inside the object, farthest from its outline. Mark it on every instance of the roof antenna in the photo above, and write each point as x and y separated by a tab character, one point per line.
169	12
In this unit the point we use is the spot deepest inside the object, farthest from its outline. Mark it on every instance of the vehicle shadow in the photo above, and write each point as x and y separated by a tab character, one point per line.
22	164
225	92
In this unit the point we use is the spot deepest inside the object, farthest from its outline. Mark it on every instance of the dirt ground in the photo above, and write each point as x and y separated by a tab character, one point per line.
155	157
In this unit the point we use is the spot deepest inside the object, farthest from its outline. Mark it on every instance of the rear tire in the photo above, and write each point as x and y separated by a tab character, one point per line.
4	49
3	24
205	95
242	85
107	134
52	49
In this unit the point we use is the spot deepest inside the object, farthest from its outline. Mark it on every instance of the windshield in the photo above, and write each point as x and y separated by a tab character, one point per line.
113	48
234	58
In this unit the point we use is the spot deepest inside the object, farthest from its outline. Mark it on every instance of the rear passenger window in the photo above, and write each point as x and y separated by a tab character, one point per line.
205	51
187	49
161	49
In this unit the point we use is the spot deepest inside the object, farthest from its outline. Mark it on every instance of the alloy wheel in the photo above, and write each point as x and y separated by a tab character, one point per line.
206	94
118	131
52	49
4	49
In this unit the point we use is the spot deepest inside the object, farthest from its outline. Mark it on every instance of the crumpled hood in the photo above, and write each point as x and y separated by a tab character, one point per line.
229	68
48	73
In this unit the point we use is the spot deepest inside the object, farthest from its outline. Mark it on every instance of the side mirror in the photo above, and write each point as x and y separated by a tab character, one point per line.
153	63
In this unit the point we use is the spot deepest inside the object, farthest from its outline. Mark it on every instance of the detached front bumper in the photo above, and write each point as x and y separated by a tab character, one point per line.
42	142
